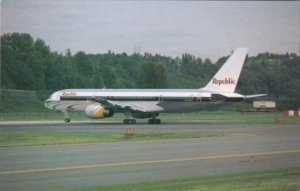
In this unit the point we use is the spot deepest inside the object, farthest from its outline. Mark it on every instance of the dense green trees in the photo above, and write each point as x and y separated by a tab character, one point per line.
30	65
276	75
153	75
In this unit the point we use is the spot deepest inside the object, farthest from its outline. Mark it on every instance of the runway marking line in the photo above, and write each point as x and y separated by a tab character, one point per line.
148	162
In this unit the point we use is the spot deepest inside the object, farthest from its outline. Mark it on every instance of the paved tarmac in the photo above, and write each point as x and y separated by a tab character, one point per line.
241	147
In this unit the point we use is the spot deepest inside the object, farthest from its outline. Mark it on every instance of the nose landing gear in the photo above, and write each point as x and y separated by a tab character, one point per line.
67	118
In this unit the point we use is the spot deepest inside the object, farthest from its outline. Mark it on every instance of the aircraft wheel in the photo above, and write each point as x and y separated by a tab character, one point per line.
67	118
154	121
129	121
150	121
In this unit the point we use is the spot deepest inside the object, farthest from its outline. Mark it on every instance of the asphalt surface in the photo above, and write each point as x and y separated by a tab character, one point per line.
240	148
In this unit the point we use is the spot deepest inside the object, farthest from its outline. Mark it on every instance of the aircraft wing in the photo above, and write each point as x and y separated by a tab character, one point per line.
146	107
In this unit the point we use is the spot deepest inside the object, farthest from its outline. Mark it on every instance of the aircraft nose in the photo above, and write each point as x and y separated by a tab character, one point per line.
47	102
53	98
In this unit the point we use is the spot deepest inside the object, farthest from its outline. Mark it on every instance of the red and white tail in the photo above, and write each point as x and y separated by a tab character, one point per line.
226	79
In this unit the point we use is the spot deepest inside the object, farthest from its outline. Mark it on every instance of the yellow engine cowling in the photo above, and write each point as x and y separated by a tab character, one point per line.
96	111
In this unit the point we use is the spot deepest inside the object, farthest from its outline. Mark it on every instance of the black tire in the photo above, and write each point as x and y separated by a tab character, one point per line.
154	121
129	121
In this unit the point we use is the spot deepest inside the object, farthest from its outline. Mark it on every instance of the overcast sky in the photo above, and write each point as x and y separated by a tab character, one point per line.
202	28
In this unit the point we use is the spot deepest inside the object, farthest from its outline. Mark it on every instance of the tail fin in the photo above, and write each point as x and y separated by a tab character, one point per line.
225	80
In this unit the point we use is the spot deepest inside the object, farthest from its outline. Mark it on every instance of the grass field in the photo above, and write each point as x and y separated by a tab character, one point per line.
273	180
20	138
206	116
30	138
232	117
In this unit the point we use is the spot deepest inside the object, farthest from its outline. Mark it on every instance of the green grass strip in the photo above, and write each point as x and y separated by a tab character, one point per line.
30	138
206	116
274	180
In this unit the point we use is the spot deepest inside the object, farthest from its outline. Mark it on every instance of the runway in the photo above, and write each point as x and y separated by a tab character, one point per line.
239	148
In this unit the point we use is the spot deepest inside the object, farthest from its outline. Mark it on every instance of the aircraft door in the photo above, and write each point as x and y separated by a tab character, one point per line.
161	98
199	96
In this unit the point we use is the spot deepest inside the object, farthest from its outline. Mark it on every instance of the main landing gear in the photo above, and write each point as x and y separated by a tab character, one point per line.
150	121
154	121
129	121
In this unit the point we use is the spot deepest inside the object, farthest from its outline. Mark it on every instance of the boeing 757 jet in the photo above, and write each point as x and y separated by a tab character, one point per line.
148	103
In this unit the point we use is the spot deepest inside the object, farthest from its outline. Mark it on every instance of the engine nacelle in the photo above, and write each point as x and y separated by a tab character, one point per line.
96	111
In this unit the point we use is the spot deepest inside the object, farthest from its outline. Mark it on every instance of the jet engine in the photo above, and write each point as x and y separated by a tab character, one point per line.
96	111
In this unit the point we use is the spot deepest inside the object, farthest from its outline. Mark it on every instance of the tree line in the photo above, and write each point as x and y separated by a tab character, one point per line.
30	64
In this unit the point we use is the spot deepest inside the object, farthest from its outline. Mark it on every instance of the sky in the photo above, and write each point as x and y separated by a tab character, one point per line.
202	28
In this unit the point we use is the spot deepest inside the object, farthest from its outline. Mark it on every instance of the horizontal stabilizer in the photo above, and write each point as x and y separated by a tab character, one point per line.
254	96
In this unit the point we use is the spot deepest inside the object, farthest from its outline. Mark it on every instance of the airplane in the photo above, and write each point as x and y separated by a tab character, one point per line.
148	103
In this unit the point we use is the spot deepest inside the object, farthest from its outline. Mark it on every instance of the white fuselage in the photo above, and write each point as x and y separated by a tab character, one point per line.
171	100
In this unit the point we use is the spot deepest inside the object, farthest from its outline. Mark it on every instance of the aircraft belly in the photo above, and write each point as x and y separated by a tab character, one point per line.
181	107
